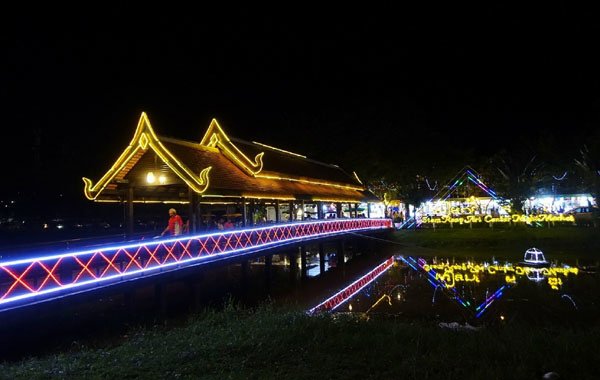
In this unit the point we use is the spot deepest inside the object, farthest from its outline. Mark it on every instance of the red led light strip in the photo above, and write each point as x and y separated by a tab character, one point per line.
21	279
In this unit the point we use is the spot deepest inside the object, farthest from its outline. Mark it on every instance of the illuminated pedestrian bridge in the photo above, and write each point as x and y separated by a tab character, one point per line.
31	280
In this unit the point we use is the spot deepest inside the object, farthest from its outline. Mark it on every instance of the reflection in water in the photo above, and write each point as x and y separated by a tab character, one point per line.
382	298
434	293
570	299
447	276
534	256
471	290
348	292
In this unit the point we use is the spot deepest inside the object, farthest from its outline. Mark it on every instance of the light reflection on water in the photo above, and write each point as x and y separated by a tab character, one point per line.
479	292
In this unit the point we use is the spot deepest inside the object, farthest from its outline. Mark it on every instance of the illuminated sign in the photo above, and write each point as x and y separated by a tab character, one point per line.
515	218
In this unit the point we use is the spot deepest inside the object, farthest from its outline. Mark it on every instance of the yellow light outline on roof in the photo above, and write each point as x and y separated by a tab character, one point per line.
143	138
278	149
311	182
358	179
333	200
216	137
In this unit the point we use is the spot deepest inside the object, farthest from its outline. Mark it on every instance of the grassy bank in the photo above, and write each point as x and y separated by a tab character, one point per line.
564	242
268	343
281	341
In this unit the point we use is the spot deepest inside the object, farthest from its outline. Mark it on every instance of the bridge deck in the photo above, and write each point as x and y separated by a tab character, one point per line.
31	280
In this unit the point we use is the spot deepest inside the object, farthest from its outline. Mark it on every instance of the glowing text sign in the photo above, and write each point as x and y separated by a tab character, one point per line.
515	218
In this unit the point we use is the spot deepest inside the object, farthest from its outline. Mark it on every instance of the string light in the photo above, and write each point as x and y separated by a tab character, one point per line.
145	138
560	178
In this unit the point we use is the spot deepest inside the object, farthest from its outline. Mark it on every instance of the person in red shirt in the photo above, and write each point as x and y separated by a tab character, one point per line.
175	226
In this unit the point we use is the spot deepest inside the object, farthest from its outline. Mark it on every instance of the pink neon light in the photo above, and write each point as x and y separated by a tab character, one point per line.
348	292
21	279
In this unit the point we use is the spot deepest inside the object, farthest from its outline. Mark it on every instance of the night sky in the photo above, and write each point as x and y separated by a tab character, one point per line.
343	85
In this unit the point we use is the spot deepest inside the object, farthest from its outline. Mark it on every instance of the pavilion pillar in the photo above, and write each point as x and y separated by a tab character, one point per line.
192	211
292	211
319	210
368	210
338	207
303	213
244	213
202	226
130	211
251	213
355	206
277	214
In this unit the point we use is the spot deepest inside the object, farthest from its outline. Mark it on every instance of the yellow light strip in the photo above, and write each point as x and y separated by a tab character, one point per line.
281	198
215	136
311	182
356	176
218	203
143	138
277	149
140	201
337	200
91	191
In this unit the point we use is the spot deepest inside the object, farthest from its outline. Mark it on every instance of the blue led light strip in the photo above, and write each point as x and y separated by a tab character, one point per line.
40	277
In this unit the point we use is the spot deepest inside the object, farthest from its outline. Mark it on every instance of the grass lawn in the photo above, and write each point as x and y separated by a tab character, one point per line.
281	341
268	343
509	243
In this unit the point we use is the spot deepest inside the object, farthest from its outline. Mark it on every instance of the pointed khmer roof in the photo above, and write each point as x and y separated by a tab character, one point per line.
464	176
164	169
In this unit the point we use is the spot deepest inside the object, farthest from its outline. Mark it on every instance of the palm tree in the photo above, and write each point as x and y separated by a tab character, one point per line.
520	173
589	167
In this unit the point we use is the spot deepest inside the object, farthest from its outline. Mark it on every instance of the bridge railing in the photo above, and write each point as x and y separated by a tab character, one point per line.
29	280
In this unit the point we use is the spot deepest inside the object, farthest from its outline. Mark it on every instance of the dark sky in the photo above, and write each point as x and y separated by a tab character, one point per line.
392	79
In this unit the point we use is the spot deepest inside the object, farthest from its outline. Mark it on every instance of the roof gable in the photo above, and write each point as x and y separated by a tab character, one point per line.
143	139
216	137
273	173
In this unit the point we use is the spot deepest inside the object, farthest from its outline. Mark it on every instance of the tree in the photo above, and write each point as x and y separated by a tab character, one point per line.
589	168
520	173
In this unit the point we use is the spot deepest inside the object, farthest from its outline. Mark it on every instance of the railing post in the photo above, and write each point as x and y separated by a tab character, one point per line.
321	258
341	252
302	261
293	265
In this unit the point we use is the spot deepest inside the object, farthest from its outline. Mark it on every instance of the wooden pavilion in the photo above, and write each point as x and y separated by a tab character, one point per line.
222	172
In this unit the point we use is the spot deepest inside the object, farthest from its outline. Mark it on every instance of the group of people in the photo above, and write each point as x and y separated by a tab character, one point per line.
176	226
224	224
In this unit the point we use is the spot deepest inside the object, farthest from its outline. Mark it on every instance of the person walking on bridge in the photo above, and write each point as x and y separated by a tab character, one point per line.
175	225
